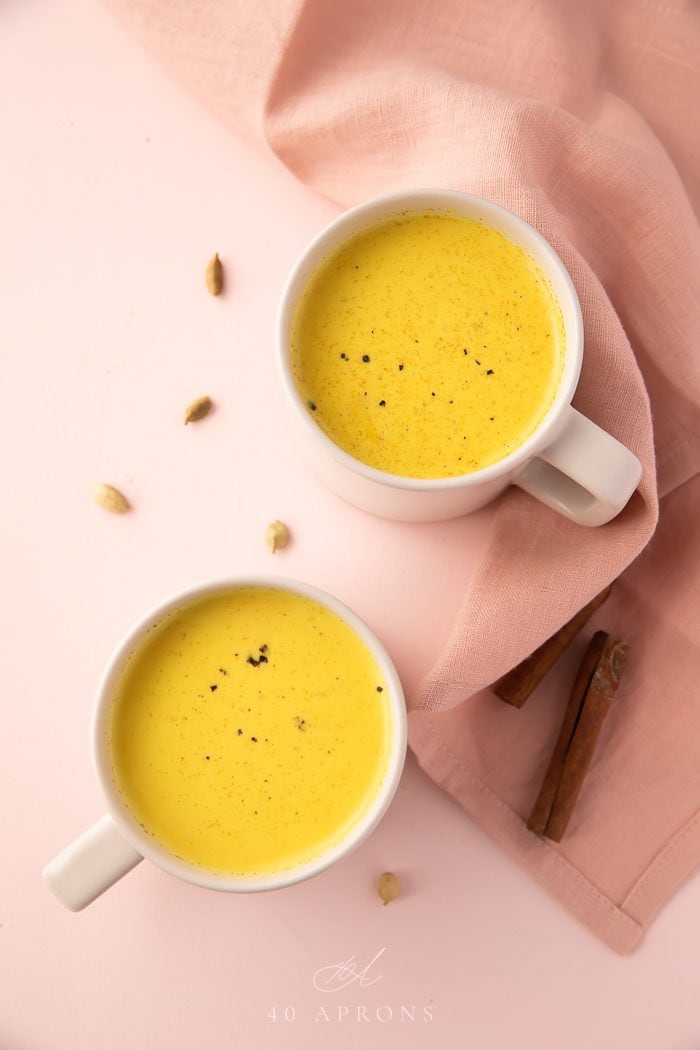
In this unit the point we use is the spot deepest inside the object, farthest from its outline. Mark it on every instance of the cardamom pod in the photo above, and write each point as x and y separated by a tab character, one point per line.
111	499
388	887
215	275
199	408
277	536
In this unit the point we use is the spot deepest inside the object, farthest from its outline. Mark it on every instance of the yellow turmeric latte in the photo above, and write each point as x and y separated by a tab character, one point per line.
250	731
428	346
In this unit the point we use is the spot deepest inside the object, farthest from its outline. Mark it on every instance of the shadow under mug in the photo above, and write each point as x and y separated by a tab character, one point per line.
568	462
117	842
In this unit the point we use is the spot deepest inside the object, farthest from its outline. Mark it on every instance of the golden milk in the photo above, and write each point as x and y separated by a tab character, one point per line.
428	346
250	731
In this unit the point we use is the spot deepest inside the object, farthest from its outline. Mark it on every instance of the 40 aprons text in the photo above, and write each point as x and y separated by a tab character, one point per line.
340	1013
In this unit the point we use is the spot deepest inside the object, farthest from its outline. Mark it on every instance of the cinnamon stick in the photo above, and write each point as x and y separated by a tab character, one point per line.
591	696
517	685
543	806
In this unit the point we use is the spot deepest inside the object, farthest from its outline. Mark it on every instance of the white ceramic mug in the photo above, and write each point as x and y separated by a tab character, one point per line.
117	842
569	462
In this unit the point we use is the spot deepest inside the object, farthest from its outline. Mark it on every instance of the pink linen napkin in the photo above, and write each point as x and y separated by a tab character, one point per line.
581	118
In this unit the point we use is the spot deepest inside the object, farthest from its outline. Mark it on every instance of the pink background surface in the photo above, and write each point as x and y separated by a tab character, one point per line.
116	187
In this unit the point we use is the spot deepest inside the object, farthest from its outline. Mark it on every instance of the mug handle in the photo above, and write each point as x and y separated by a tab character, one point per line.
585	474
90	865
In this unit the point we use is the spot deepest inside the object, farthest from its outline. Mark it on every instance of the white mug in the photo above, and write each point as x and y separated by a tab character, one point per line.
117	842
568	462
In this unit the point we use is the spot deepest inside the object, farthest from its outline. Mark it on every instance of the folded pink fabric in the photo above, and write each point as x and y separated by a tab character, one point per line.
580	118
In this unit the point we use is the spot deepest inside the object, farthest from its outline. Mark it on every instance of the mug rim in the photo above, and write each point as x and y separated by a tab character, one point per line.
146	844
399	201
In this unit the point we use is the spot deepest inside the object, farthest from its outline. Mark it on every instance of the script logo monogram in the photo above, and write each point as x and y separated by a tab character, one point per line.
336	977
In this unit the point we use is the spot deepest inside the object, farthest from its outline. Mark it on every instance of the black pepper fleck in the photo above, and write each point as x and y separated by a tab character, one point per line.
382	404
400	368
262	659
254	739
466	353
222	670
207	757
213	688
380	689
311	405
365	358
477	361
239	732
489	371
